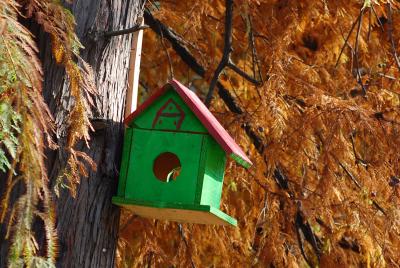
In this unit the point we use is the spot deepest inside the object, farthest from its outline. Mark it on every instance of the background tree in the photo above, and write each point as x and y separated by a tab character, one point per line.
310	89
78	228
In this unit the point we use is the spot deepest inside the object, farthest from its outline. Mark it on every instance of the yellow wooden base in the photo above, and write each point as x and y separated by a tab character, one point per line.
201	214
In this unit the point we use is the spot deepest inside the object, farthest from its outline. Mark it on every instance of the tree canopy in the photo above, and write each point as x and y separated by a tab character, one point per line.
310	90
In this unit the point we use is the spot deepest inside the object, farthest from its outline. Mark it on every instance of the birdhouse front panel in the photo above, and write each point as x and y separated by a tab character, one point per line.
164	166
170	113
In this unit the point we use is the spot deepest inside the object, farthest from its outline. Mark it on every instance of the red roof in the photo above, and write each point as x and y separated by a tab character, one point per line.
215	129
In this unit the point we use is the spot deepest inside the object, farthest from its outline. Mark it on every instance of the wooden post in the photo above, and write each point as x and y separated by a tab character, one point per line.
134	70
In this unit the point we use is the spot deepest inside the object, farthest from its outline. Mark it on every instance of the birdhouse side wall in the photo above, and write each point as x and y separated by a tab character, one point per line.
214	169
169	112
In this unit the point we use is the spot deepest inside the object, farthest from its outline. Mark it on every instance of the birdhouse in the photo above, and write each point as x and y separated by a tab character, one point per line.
173	159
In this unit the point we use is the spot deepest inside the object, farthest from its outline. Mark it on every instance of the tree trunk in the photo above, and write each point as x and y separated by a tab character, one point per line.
88	224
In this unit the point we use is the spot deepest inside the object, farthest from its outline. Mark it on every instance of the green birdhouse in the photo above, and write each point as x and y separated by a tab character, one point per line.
173	160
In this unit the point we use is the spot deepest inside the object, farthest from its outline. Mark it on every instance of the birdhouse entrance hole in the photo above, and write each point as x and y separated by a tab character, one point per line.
167	167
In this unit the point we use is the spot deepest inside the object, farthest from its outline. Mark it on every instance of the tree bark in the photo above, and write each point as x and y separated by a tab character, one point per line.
87	225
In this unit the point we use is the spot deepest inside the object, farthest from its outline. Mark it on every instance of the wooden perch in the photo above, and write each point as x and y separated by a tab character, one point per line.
126	31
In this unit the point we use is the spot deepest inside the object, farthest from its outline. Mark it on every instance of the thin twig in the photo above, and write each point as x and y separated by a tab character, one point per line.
369	24
128	222
178	44
347	39
390	33
377	18
254	57
182	233
171	70
354	148
356	52
359	186
387	76
256	62
242	73
350	176
126	31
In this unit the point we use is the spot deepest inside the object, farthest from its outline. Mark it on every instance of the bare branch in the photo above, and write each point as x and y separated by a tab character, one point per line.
226	56
256	62
227	50
242	73
178	44
347	39
350	175
303	229
359	78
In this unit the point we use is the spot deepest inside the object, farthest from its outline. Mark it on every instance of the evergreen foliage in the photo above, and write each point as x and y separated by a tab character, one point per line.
27	125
